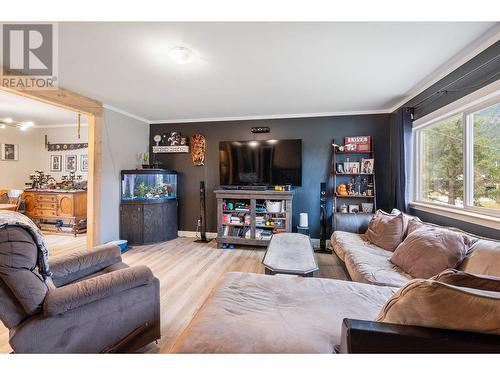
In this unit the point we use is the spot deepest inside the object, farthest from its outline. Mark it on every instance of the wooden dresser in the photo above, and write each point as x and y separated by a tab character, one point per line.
57	210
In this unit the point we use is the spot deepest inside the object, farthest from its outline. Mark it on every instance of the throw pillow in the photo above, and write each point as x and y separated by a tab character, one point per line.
408	219
386	230
468	280
483	258
434	304
428	250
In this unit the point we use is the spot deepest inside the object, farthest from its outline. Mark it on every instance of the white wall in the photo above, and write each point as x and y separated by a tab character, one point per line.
122	139
34	156
64	135
13	174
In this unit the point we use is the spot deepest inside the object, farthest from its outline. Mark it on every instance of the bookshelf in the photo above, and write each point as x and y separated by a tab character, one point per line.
243	218
363	187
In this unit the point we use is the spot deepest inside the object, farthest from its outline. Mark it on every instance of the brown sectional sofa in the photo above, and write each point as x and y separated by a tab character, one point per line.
253	313
370	264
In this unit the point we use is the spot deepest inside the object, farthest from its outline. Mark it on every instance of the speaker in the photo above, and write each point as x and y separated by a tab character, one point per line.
322	217
202	221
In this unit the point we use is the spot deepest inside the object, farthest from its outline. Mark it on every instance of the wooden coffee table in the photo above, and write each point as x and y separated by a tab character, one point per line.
290	253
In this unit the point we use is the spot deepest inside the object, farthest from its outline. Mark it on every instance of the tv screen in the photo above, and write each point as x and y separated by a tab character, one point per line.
268	162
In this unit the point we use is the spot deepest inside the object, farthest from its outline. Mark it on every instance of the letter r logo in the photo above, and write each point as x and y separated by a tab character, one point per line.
28	48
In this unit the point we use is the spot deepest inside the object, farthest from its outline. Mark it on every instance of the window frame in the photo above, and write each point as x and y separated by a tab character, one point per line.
467	106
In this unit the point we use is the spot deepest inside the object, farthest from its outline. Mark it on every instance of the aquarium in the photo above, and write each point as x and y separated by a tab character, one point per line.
153	185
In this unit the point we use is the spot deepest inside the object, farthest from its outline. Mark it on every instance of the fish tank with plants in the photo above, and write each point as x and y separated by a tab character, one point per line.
151	185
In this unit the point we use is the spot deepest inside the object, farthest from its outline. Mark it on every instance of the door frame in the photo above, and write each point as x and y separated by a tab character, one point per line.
93	109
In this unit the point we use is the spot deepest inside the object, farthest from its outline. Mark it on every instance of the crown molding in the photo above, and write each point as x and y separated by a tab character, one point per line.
125	113
59	126
272	117
475	48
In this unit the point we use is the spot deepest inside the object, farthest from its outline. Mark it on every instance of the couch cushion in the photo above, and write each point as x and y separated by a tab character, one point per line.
344	242
374	267
252	313
431	303
18	263
483	258
366	262
467	280
386	230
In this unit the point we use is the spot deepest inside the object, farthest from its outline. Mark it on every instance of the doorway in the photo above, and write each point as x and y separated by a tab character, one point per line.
66	202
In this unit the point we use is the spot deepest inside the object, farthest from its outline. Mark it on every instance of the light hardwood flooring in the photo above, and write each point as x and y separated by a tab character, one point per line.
188	272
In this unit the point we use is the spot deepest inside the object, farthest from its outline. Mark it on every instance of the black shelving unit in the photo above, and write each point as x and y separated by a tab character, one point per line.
345	178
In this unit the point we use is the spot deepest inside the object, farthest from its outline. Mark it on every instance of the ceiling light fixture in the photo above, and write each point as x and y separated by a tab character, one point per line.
181	55
25	125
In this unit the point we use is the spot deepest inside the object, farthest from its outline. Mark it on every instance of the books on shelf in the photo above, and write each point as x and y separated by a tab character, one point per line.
263	234
231	231
241	218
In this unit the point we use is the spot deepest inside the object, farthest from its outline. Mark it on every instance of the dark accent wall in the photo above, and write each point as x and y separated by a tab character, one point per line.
316	134
480	71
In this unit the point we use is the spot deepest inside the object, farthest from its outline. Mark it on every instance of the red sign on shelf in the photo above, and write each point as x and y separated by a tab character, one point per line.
358	144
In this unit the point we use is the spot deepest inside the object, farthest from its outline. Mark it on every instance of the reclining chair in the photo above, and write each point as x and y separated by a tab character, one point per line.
98	303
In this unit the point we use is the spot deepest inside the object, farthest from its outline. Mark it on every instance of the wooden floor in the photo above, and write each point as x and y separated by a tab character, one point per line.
188	272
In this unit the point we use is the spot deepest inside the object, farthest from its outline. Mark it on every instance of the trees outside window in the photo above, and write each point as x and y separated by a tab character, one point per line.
442	162
486	149
458	160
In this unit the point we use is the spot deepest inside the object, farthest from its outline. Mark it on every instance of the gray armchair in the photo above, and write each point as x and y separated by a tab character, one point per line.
98	303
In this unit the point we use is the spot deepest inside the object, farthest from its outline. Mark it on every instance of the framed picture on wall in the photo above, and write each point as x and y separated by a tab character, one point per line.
84	163
9	151
56	163
71	163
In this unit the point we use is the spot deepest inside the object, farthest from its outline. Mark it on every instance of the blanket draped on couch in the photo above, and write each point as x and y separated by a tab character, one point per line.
12	218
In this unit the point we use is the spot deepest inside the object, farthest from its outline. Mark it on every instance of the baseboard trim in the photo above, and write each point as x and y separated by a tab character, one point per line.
192	234
212	235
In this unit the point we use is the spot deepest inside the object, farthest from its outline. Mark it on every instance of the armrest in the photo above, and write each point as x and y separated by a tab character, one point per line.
71	267
360	336
356	223
73	296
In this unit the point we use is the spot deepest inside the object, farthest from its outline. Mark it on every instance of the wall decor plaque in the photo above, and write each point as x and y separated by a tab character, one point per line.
358	144
198	149
66	146
170	149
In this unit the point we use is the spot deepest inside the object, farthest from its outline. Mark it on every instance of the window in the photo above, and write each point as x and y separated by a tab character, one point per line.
486	150
442	162
457	159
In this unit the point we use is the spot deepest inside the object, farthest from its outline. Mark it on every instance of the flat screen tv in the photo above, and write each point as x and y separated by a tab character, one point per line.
268	162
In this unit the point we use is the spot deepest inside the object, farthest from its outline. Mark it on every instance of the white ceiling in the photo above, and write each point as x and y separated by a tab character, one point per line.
22	109
257	69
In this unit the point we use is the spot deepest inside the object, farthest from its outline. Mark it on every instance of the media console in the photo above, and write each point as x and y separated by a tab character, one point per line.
251	217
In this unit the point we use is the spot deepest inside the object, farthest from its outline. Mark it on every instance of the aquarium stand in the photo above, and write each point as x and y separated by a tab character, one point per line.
148	209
